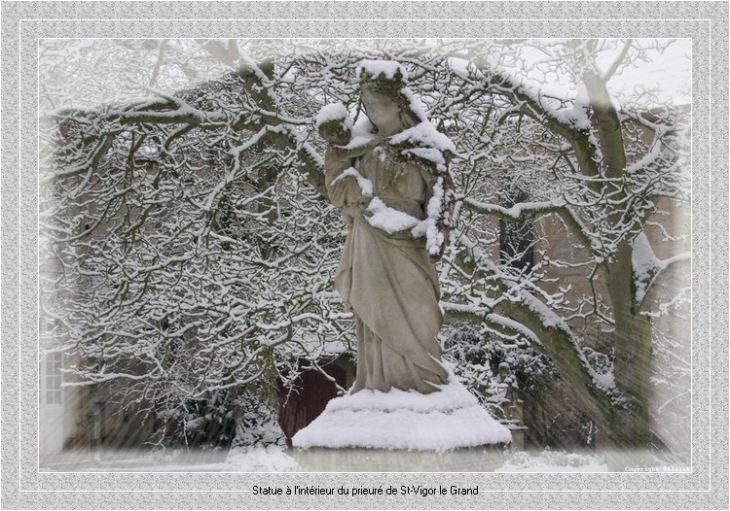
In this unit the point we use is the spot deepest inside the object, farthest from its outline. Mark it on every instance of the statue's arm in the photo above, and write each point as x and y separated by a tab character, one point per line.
336	161
344	191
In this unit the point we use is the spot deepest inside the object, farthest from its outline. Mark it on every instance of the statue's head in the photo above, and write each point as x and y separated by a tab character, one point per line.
385	96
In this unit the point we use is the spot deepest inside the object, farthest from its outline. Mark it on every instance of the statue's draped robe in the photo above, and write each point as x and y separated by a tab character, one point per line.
389	281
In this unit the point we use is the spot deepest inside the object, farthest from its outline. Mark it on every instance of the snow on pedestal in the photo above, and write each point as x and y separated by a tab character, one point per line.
448	419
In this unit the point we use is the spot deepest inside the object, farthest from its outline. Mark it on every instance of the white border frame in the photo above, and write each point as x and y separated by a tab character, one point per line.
24	487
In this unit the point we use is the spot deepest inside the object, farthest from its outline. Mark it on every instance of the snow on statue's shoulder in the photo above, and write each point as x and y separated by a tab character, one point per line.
448	419
362	133
425	142
424	134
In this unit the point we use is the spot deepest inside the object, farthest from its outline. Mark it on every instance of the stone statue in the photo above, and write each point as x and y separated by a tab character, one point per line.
388	176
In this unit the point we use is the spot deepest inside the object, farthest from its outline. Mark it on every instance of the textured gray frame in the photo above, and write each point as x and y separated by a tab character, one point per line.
706	487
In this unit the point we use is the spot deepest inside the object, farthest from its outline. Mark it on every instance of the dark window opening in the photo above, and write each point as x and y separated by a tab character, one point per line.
517	239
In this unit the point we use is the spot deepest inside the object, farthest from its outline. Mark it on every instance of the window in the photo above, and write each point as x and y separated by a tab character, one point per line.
54	378
516	239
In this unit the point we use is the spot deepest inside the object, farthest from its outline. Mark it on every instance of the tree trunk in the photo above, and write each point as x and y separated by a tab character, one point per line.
628	424
558	345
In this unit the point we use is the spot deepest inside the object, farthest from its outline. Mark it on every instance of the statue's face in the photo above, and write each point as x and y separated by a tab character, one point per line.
382	111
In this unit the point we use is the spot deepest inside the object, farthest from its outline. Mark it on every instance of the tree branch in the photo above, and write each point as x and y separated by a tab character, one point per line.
526	208
666	269
578	137
611	70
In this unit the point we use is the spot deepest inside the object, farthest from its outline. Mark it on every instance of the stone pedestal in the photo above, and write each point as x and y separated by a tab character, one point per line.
447	420
475	459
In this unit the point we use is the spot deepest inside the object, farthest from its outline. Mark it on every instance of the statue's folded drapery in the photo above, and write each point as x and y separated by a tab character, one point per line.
391	285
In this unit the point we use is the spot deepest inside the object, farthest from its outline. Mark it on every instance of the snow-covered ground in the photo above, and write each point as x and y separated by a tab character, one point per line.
279	459
276	459
554	461
260	459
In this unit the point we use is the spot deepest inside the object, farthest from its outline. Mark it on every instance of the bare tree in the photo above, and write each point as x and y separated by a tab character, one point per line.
186	225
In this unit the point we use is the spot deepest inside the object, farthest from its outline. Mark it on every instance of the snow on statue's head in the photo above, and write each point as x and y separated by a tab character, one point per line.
386	80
